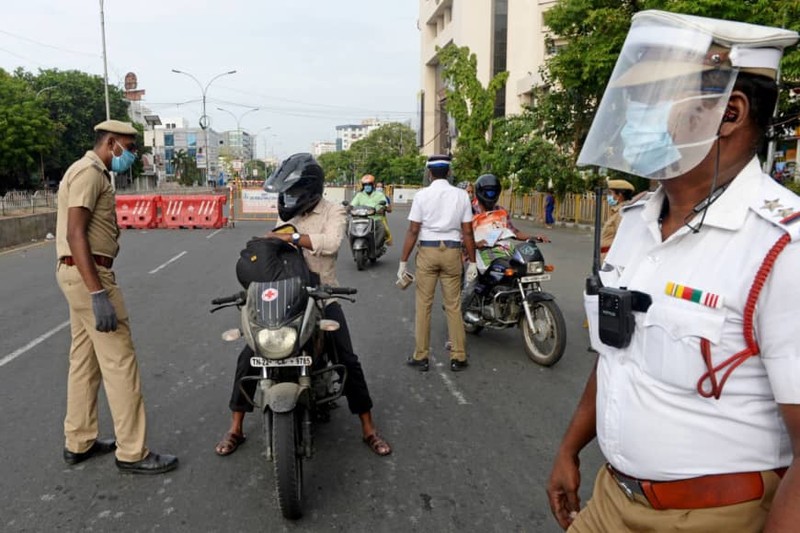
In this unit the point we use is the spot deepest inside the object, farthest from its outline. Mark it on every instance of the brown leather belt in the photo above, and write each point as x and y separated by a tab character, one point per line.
101	260
695	493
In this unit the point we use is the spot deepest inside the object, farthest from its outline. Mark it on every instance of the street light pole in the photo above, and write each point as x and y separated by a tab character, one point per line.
239	124
204	123
41	157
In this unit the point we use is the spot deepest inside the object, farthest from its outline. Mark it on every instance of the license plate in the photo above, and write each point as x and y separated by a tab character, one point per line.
260	362
538	277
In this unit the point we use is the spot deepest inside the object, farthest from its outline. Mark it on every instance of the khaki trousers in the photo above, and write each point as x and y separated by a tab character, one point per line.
611	510
443	264
94	356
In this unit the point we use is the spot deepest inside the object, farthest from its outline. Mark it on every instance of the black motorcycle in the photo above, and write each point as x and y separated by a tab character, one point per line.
366	233
509	293
299	377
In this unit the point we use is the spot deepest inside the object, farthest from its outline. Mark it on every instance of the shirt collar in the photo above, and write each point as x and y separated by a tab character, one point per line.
91	154
728	211
436	183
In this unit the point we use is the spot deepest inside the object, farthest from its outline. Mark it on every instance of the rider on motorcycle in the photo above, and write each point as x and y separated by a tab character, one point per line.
321	226
370	197
487	192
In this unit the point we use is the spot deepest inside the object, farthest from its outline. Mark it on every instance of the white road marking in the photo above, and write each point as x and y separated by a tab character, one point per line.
451	386
211	235
168	262
38	340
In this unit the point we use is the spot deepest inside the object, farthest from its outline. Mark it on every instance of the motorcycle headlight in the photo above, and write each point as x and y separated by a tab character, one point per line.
536	267
278	343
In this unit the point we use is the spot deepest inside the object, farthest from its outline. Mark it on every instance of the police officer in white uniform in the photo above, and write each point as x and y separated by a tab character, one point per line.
697	410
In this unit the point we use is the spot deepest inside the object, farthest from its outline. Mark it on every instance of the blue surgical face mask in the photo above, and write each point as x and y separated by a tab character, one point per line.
611	200
368	189
121	163
648	145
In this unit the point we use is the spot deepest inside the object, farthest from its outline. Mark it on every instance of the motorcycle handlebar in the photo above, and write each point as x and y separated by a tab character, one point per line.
228	299
341	290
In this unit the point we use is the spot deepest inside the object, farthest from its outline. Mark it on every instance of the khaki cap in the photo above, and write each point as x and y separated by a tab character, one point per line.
116	126
620	185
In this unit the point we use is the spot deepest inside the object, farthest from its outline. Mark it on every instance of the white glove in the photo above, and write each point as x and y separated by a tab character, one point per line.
402	270
472	272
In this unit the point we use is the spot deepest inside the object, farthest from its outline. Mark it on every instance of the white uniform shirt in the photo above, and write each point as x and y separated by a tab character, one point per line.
441	209
651	421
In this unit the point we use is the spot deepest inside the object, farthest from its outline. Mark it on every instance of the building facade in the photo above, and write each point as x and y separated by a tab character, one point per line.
175	135
322	147
505	35
237	144
347	134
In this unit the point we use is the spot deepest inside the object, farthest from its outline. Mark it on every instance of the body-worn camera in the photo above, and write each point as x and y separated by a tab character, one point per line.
616	322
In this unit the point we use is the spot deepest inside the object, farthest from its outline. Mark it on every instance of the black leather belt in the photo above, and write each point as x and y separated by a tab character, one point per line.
101	260
436	244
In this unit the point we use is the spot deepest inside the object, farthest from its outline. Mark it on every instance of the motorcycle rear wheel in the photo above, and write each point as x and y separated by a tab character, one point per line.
547	345
361	259
287	461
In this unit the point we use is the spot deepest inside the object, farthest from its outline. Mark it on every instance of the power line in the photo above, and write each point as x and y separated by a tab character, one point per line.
48	45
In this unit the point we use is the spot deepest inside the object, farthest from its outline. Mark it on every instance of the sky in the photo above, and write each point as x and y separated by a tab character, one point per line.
308	65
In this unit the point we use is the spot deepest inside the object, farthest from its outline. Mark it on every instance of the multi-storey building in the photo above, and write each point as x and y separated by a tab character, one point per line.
347	134
174	135
237	144
322	147
504	35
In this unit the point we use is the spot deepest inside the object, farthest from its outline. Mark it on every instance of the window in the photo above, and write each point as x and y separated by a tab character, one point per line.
169	139
500	50
191	139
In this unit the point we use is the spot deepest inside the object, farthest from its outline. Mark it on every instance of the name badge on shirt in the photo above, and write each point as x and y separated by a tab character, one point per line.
708	299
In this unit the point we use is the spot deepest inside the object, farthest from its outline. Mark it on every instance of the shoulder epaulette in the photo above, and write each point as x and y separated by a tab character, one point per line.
780	207
640	202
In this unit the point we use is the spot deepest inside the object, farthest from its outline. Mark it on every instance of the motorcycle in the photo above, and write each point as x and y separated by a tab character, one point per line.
366	234
508	293
282	322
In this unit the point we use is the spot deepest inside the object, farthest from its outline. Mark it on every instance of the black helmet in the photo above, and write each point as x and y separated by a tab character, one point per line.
488	189
299	182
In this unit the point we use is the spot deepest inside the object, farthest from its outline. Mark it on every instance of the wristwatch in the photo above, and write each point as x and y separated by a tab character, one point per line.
295	238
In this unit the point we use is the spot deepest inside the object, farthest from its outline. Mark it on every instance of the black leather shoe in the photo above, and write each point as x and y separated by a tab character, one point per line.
98	447
458	366
152	464
420	364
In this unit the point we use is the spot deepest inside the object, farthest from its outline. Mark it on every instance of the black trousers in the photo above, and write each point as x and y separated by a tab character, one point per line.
355	387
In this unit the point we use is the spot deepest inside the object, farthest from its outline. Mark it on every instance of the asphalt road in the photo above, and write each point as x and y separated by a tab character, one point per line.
472	451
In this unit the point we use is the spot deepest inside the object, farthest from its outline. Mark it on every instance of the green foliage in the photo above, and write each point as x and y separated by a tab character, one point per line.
389	153
262	170
27	131
593	32
185	166
75	103
517	152
470	104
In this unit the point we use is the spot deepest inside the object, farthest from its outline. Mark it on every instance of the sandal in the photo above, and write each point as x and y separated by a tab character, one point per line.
378	445
229	443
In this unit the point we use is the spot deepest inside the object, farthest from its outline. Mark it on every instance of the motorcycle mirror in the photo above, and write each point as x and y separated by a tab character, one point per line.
382	202
328	325
345	203
232	335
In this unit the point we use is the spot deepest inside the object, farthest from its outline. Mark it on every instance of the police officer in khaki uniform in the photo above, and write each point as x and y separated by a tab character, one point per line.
619	194
86	244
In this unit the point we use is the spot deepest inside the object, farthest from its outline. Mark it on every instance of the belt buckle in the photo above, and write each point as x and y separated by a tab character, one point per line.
621	484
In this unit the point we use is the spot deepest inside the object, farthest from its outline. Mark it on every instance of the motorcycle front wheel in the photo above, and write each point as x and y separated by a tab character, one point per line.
287	461
546	345
361	259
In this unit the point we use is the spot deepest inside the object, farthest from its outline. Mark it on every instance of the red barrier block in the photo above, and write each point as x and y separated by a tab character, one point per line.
138	211
195	211
205	211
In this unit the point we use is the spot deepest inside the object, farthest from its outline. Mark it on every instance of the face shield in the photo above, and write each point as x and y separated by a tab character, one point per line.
662	108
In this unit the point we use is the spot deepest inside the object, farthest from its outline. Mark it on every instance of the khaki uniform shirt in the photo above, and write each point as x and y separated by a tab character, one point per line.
87	184
325	225
610	230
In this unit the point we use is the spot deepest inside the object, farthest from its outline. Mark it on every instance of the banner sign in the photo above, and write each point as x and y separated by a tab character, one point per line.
259	201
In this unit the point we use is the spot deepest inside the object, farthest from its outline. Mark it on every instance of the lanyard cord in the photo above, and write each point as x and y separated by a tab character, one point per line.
751	348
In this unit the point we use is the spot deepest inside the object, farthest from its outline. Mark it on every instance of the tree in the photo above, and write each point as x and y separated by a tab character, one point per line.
27	132
389	153
338	167
185	166
470	104
593	32
262	170
535	163
75	103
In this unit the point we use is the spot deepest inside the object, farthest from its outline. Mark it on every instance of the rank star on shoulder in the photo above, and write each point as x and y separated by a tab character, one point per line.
772	205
